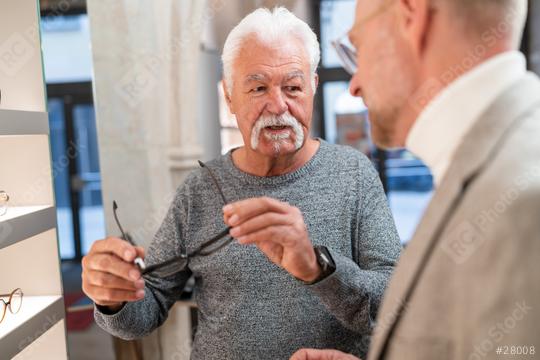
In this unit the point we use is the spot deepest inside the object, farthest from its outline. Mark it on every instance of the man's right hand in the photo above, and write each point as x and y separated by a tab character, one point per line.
109	276
315	354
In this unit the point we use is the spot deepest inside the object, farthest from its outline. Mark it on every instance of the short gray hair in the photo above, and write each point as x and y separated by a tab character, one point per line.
269	26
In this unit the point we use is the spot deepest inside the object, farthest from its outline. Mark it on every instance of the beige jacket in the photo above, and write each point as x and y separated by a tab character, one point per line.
468	282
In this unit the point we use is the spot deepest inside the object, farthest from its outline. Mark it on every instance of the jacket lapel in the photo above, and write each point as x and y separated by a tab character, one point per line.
473	154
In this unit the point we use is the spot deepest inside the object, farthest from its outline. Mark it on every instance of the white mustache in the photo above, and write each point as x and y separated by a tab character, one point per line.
277	120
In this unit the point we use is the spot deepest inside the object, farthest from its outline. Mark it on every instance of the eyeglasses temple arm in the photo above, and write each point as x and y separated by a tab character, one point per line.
115	206
125	235
215	238
202	252
138	260
10	294
214	180
155	267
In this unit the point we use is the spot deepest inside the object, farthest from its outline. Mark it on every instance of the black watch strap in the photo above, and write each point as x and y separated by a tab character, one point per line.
325	261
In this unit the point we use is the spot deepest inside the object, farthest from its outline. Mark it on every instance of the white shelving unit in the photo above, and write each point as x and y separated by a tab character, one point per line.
17	122
29	255
37	315
23	222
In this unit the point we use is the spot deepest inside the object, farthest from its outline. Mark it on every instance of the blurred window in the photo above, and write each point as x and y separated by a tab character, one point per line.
406	179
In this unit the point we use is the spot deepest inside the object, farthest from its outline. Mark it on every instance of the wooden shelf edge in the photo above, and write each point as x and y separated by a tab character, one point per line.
19	122
25	226
29	331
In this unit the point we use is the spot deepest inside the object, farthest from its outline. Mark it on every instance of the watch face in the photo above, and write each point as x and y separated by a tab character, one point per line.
325	259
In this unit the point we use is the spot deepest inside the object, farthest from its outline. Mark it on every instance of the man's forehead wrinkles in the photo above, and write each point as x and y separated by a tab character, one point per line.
296	73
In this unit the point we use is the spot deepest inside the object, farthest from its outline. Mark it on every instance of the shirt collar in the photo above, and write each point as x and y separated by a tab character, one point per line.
438	131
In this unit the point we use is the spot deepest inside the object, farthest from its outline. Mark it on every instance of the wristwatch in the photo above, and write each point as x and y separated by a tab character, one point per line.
325	261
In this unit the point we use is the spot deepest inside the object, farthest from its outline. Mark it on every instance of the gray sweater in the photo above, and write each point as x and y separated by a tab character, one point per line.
249	308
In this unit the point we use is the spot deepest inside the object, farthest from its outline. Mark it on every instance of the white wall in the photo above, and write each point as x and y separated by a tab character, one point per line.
208	114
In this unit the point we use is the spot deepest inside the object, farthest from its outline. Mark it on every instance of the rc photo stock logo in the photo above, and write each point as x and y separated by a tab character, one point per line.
138	83
15	52
463	241
499	331
421	98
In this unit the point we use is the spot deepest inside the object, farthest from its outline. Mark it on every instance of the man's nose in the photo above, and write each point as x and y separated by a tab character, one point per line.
276	103
354	88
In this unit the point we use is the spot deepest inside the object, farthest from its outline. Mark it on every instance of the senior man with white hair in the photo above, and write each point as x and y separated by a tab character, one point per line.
326	243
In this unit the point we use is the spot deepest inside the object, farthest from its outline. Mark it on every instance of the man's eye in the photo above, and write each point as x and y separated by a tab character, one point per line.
258	89
293	88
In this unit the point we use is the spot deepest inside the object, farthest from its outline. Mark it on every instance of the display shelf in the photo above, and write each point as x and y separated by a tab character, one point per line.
27	174
15	122
23	222
49	346
21	68
29	256
37	315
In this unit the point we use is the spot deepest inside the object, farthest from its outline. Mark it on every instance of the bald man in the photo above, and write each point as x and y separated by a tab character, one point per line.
445	79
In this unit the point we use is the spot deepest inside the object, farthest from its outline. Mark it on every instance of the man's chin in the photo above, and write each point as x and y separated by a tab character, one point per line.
277	148
383	143
385	138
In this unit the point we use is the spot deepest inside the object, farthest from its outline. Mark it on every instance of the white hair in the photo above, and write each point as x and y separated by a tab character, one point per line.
285	119
268	27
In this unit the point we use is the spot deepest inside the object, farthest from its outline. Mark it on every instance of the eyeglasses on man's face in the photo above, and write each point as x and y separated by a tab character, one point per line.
346	53
13	304
179	263
345	49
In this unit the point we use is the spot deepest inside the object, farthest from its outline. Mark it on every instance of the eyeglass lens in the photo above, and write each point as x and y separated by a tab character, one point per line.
346	53
14	303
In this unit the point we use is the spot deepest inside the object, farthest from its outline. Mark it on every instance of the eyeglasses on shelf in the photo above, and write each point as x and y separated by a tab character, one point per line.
4	199
13	303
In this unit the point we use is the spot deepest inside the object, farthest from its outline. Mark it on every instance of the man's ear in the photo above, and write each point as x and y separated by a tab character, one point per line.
316	80
414	17
227	95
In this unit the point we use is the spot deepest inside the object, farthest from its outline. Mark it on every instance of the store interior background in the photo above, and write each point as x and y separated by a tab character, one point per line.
134	101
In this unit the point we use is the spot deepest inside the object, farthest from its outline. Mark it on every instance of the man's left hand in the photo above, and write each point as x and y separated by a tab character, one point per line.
278	230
